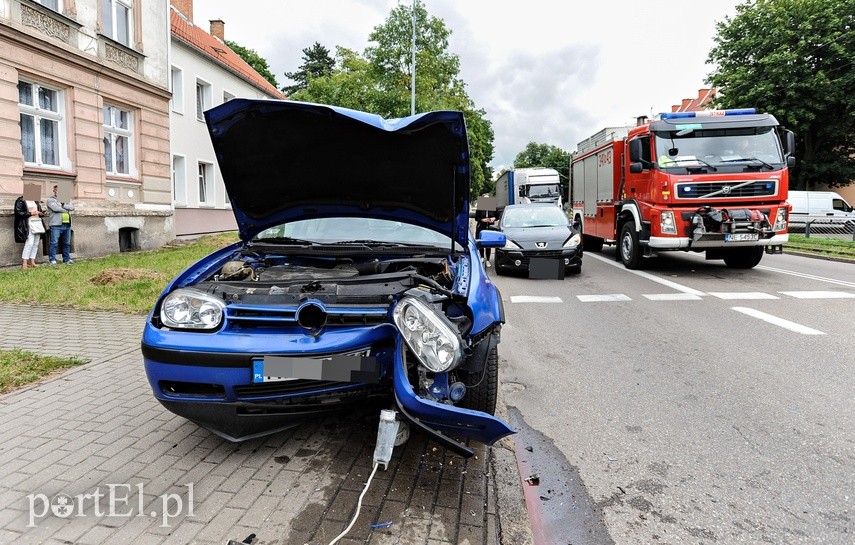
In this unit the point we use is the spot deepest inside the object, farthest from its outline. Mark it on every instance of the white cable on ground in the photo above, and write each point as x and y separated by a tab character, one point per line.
358	507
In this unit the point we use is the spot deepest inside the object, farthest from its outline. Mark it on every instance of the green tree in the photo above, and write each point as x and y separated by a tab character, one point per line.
317	62
380	81
794	59
545	155
256	61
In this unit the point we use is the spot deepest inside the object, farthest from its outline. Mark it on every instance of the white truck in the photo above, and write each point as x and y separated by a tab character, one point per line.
526	185
822	209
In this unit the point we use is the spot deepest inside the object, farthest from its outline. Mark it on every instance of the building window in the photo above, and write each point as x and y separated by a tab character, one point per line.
42	124
177	101
116	18
118	132
203	99
205	179
52	4
179	180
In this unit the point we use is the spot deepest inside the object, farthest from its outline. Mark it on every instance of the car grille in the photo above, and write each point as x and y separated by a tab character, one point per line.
286	387
551	254
286	315
727	190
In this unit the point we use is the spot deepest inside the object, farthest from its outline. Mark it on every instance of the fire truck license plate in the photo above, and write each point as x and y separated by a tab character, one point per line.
740	237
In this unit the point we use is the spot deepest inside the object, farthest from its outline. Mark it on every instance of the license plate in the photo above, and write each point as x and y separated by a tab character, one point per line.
339	368
740	237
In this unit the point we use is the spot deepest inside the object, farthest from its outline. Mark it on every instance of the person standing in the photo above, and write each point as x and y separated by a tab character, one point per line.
60	228
484	219
29	229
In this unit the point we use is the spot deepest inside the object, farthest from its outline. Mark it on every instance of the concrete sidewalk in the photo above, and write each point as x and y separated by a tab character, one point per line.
71	443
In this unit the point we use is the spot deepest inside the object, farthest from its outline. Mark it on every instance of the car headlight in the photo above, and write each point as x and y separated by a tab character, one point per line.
511	245
191	309
666	223
573	241
429	335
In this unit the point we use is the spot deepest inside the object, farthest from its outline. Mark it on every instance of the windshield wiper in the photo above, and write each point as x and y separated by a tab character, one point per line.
282	240
367	242
746	159
678	160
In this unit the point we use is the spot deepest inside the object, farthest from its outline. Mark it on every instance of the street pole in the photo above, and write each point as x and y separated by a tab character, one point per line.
413	82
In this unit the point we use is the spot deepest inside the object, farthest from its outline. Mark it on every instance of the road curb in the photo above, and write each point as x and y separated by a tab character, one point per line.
514	525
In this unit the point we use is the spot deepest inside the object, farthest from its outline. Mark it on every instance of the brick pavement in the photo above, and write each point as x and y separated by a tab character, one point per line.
98	425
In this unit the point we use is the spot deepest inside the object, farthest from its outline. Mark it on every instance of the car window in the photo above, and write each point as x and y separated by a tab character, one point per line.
338	229
540	216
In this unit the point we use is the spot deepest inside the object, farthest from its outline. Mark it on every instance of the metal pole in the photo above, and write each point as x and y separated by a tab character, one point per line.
413	82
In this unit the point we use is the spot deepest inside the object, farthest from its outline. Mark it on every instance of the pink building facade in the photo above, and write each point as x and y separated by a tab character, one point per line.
84	104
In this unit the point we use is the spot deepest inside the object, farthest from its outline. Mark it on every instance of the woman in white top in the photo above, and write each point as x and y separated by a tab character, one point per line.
29	220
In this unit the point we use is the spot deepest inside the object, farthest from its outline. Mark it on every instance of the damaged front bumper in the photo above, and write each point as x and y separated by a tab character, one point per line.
214	387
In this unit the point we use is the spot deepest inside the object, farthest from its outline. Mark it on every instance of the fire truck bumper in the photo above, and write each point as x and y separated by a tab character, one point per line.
712	240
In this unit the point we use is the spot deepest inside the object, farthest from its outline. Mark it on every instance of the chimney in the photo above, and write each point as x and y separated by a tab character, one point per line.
218	29
185	7
686	103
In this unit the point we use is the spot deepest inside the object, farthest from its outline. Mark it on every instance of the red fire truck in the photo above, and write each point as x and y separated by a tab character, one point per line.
712	181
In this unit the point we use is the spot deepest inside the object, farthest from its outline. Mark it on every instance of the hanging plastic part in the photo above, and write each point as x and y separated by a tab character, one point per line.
387	431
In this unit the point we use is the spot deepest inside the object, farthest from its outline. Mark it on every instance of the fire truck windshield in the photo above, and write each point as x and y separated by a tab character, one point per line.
711	148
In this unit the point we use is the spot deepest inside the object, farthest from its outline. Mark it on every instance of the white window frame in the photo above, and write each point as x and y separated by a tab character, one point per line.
179	180
49	5
110	8
112	134
203	98
40	114
177	83
205	177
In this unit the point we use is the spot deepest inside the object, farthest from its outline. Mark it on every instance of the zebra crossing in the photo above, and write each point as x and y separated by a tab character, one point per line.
681	296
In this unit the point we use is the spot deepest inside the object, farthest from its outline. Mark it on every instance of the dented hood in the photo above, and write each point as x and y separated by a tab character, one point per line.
284	161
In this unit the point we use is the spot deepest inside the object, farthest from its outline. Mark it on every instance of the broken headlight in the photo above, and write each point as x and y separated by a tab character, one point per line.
429	334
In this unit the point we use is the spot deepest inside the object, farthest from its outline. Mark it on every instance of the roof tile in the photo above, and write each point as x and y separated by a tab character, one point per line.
217	51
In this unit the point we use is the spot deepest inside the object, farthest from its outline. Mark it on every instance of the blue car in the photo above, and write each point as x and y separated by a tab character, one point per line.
356	282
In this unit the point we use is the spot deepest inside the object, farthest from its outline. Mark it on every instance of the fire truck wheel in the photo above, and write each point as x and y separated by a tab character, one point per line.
743	258
629	248
482	388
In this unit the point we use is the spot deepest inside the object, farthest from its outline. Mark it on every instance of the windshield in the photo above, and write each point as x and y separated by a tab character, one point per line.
536	216
713	148
336	230
542	191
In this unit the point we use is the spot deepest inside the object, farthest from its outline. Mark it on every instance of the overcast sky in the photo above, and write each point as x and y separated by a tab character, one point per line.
545	71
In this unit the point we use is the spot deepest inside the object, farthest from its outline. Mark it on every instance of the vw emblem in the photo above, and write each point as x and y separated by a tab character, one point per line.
726	190
541	244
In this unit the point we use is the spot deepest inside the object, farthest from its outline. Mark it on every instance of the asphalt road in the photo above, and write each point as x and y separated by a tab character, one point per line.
695	403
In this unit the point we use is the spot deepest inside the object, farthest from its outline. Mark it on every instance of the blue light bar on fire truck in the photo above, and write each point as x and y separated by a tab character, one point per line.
708	113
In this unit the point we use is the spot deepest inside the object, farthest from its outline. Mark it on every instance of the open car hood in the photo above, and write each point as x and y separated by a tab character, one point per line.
284	161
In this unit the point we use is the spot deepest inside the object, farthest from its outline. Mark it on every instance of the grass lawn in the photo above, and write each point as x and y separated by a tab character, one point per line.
18	368
126	282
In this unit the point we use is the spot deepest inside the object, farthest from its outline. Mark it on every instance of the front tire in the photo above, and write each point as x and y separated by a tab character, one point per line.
743	258
629	248
482	388
592	244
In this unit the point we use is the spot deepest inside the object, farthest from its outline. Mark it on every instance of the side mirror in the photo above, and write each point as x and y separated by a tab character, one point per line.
789	142
636	168
791	161
577	224
491	239
521	192
635	151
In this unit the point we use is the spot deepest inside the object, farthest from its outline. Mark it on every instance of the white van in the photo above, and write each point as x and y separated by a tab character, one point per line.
823	207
